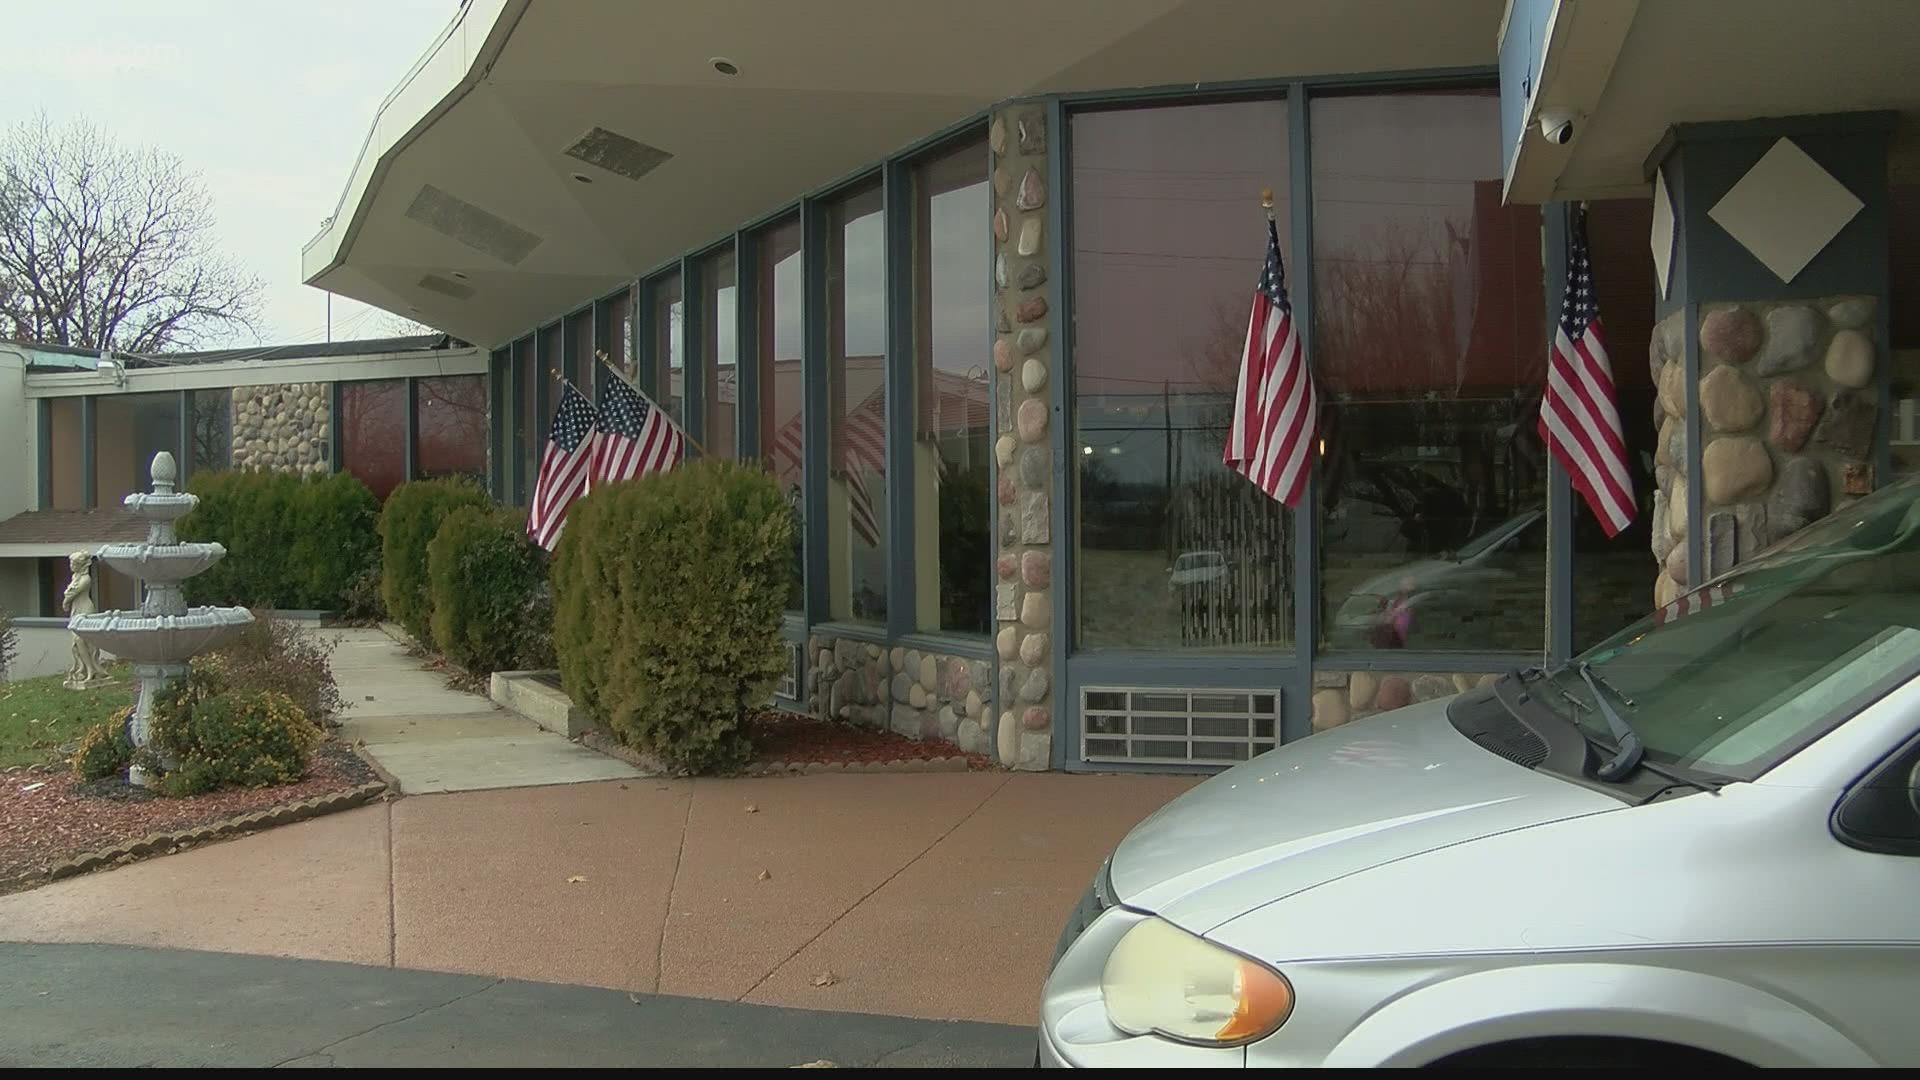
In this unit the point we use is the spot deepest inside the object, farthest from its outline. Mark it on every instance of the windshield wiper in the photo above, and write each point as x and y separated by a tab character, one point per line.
1630	746
1629	750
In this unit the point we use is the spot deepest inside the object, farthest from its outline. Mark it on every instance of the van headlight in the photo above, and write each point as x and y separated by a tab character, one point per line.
1162	980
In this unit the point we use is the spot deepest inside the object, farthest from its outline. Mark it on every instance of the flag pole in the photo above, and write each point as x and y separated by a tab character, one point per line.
601	355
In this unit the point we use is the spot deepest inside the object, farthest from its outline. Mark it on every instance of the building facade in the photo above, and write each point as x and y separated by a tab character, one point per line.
80	431
979	309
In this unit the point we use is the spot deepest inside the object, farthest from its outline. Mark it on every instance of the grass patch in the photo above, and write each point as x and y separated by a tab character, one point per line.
39	716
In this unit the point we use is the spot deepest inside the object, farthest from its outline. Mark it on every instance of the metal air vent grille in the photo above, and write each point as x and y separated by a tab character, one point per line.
617	153
1163	725
457	219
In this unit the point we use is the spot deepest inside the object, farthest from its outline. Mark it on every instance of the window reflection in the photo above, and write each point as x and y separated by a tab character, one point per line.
373	433
857	405
1429	350
952	348
782	394
452	427
667	322
67	454
719	353
526	423
211	429
129	429
1168	242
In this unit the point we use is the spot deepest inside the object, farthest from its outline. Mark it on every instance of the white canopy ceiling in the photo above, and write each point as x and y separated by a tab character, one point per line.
464	210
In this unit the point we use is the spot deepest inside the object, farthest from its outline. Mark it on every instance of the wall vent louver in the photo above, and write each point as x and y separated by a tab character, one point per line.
616	153
457	219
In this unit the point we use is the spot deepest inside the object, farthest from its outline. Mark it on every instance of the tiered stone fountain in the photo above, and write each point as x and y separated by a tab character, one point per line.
164	634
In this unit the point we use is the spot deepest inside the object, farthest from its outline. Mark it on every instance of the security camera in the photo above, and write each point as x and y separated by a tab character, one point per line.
1556	126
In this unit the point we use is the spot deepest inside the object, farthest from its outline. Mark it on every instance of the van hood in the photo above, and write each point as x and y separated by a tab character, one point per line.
1384	788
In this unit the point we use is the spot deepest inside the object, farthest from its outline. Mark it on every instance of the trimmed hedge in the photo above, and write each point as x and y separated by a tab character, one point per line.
412	515
668	594
492	610
291	543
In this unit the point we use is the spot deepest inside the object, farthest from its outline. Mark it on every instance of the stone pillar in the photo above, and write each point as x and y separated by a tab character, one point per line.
1024	352
283	427
1769	353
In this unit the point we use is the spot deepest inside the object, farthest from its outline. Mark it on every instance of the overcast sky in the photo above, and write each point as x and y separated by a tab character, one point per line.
268	101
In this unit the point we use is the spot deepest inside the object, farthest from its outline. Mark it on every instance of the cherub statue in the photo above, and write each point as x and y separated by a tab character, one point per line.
86	671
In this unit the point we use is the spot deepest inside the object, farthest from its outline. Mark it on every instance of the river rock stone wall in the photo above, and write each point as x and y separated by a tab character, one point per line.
1788	405
922	695
1343	696
1025	349
286	428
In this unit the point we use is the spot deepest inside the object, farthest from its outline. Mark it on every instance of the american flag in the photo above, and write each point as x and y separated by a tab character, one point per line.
1275	410
1579	421
635	437
563	468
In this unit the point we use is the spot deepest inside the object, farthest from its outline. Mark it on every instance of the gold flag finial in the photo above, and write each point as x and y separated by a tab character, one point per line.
1266	198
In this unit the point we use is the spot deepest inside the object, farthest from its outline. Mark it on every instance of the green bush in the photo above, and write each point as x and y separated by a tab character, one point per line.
668	594
291	543
209	734
104	749
412	515
488	584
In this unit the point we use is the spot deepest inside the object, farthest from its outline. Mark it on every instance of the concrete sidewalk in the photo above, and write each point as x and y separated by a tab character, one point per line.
934	895
65	1006
432	738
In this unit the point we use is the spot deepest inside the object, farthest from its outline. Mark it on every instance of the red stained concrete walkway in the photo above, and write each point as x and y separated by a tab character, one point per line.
925	894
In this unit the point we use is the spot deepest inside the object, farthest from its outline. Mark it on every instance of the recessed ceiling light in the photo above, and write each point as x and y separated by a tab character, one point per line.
583	178
724	66
461	274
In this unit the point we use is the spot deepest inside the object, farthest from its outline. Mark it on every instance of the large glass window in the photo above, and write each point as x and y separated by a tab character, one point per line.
553	365
579	351
952	451
451	437
1429	351
129	430
67	455
719	353
857	406
666	322
373	433
620	337
777	263
1168	243
1613	578
526	427
211	429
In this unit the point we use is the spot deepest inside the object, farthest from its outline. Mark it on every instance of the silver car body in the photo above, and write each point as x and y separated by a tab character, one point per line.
1425	896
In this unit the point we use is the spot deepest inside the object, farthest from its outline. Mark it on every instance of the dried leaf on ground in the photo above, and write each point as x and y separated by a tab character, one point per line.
766	875
752	809
825	978
576	879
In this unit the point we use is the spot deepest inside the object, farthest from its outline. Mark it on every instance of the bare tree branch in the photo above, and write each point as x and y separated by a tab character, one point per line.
105	246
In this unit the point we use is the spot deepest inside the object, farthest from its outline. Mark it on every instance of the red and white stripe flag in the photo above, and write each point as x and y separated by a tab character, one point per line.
635	438
1275	410
1579	420
564	467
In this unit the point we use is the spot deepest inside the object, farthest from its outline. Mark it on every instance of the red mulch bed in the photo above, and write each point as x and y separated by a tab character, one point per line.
791	737
46	816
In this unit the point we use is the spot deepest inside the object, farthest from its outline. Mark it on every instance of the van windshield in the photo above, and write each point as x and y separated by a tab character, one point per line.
1733	678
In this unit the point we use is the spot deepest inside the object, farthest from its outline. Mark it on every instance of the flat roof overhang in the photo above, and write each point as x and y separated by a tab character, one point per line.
463	211
1629	70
